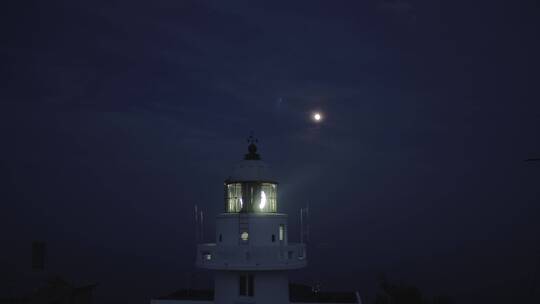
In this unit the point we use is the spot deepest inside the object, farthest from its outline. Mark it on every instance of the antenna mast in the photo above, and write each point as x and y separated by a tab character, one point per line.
202	227
196	224
304	224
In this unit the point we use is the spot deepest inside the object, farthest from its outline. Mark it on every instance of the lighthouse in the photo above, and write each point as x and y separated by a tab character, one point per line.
252	254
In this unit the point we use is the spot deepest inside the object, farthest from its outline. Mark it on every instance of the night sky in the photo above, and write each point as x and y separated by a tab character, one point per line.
117	117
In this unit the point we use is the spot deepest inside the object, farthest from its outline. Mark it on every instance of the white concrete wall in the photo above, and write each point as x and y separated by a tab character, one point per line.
270	287
251	258
261	227
251	170
180	302
259	252
316	303
211	302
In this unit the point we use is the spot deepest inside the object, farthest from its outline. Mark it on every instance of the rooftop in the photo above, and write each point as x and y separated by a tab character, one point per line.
298	294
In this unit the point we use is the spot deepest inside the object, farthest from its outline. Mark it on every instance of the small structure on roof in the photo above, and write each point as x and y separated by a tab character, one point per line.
56	290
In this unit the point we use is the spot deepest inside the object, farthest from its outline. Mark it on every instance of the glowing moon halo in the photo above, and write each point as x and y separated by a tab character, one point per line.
317	117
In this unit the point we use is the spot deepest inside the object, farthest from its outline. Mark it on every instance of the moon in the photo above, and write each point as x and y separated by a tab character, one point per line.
317	117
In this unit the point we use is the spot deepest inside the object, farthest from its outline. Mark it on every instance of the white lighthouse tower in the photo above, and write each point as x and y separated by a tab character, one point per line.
252	254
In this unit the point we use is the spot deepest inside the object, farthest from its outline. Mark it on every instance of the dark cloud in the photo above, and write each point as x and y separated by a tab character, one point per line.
116	117
405	10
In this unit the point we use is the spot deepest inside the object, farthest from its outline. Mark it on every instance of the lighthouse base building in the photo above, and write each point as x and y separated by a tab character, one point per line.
252	255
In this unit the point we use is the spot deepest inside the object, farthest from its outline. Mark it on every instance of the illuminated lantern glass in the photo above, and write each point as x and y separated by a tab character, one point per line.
250	197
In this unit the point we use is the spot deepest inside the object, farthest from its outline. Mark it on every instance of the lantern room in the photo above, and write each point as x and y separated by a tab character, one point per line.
251	197
251	188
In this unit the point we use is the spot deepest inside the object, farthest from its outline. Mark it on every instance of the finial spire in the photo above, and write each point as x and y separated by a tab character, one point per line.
252	148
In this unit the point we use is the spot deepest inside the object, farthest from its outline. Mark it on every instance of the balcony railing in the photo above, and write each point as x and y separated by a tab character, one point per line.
212	256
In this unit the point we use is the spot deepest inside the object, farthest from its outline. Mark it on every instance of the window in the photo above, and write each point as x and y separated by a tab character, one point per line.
242	285
220	238
244	236
273	238
206	256
245	285
281	232
250	285
234	197
250	197
290	255
302	254
268	198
